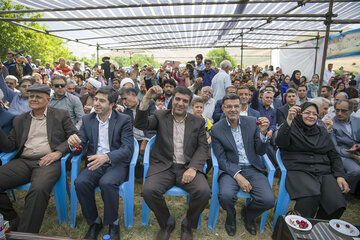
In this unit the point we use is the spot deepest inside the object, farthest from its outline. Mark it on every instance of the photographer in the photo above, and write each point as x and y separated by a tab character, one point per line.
199	65
21	67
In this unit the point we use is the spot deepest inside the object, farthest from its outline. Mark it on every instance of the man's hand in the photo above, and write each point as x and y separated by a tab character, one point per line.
354	148
97	161
188	176
264	125
292	114
74	140
142	147
243	183
269	134
87	108
198	81
343	185
153	92
49	158
356	157
328	124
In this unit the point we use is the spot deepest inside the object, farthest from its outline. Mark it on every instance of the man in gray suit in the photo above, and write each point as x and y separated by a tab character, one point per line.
237	143
346	138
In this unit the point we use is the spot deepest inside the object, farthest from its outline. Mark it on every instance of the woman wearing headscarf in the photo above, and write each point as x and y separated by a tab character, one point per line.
295	79
315	173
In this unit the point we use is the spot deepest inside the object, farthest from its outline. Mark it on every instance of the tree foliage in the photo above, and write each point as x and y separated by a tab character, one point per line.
218	55
28	42
141	59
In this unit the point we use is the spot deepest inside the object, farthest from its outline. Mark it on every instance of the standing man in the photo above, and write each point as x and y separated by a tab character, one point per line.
39	136
21	67
244	93
208	72
87	100
64	100
346	138
108	135
221	80
329	73
199	65
282	112
176	159
238	143
169	86
326	92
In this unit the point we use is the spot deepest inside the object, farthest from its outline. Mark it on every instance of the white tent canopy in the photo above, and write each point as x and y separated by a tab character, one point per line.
163	24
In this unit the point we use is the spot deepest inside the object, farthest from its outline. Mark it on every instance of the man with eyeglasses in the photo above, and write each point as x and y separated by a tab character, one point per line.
64	100
19	103
238	144
346	137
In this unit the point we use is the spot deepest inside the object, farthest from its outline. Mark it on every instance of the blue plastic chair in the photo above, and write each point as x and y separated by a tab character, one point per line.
126	189
283	199
214	204
59	189
174	191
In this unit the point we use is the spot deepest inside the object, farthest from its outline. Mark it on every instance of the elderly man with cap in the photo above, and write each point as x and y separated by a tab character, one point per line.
39	138
87	100
18	100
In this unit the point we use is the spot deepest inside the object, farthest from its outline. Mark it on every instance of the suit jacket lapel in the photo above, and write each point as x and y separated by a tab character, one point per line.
170	125
95	130
49	124
244	135
188	124
112	123
229	136
26	129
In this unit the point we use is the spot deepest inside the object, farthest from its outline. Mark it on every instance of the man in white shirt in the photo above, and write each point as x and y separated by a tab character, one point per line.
329	73
221	80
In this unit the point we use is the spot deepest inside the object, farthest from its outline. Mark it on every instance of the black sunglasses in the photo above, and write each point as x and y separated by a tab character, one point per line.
59	85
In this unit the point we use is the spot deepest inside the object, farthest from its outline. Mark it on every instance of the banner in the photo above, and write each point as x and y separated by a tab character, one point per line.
344	44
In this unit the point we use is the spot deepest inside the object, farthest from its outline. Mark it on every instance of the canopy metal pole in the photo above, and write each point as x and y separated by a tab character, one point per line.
273	16
316	50
242	48
97	53
158	5
328	24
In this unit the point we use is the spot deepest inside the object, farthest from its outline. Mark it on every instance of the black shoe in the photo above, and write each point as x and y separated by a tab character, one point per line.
186	231
93	231
230	224
164	233
249	225
114	231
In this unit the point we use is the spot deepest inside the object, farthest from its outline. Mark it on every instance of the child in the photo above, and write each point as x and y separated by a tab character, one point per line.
197	106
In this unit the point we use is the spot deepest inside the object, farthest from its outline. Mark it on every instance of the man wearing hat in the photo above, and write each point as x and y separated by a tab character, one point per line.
40	140
87	100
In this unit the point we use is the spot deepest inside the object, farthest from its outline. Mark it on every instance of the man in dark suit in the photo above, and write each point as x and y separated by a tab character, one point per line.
237	143
109	137
39	136
282	112
177	158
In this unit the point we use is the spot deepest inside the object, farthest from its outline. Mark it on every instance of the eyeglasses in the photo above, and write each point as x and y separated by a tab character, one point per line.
311	113
232	106
59	85
342	110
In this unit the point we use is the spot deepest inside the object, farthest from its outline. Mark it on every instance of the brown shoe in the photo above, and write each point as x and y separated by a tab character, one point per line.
164	233
186	231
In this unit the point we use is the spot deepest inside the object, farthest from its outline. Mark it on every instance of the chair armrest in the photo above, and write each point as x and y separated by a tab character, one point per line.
7	157
280	164
75	164
215	168
268	164
133	162
146	158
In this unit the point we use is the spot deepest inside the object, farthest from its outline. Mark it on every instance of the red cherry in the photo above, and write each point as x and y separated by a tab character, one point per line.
258	123
347	226
297	221
80	147
299	114
337	225
201	82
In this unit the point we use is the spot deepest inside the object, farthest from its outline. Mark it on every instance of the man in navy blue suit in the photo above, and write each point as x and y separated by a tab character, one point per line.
238	143
109	137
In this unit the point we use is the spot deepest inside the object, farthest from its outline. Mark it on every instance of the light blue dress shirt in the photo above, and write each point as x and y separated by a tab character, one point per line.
103	146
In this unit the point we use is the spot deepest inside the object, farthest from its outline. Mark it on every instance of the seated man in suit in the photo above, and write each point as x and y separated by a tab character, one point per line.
346	137
282	112
40	139
238	143
109	137
177	158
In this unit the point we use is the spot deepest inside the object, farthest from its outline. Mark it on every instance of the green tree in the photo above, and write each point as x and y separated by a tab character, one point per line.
218	55
141	59
18	39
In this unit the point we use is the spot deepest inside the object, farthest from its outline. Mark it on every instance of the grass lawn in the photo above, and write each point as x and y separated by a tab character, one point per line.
177	206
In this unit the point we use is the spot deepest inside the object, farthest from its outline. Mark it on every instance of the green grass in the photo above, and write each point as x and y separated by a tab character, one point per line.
177	206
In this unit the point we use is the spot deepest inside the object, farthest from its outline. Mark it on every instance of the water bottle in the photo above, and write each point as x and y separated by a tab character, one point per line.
106	237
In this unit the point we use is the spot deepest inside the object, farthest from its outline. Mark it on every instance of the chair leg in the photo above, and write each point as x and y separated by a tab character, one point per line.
60	199
145	213
263	221
214	211
129	208
73	204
